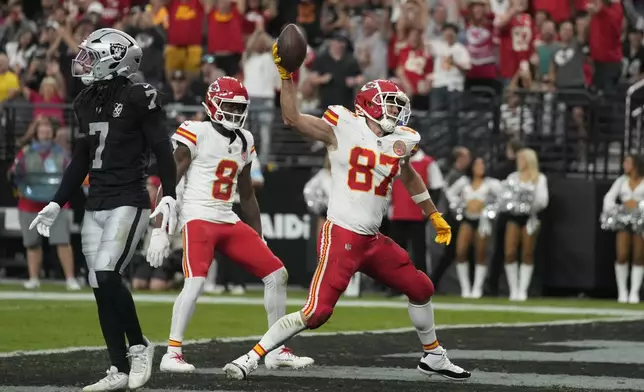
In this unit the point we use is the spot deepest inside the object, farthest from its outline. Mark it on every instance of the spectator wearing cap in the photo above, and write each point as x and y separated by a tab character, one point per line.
94	13
9	83
605	41
151	40
336	73
479	41
183	50
451	64
415	68
370	48
181	104
633	61
225	36
209	73
261	80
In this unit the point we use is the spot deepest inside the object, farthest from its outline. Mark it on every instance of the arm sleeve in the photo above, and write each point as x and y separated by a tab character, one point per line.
156	134
610	199
436	180
75	173
541	197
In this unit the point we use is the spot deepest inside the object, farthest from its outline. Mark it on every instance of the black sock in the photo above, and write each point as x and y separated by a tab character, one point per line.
112	329
127	315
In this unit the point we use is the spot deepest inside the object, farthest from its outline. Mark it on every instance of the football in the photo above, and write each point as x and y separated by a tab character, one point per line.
291	47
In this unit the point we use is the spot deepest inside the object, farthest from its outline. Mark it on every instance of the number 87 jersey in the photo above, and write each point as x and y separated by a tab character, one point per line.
210	183
363	167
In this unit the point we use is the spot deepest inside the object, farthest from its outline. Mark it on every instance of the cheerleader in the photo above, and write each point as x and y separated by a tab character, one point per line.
521	230
472	191
629	188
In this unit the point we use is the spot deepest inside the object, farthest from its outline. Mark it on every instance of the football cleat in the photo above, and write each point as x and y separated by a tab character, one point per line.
141	366
240	368
438	363
114	381
174	363
284	358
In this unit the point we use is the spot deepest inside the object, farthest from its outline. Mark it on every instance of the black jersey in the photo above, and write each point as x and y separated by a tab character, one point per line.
119	136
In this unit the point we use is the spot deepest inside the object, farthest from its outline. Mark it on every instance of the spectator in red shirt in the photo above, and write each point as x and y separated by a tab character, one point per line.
479	41
516	31
49	98
226	36
415	66
605	41
183	51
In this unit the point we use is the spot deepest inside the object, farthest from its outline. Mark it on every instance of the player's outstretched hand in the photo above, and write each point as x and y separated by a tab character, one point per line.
159	248
284	74
45	219
443	230
168	208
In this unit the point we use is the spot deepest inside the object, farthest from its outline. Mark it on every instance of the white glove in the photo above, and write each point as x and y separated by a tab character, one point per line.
159	248
168	208
45	218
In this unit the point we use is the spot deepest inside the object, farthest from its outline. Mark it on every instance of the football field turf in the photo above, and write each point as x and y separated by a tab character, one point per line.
51	342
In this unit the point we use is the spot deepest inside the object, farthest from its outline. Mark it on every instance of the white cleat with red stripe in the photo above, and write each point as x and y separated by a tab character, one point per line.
174	363
284	358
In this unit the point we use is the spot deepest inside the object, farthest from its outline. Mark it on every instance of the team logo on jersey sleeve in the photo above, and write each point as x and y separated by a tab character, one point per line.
400	148
118	108
118	51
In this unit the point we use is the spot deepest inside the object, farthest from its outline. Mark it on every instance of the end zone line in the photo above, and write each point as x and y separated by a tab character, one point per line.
253	338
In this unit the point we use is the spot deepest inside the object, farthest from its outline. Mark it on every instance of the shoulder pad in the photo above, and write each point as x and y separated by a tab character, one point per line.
407	134
336	113
145	97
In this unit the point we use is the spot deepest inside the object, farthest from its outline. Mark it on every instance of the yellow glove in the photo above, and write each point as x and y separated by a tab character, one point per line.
284	74
443	231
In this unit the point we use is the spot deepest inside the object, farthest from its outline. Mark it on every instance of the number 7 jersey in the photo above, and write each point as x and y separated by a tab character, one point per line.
210	183
363	167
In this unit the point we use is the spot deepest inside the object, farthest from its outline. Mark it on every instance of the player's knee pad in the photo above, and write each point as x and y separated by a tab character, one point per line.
276	278
422	291
320	316
108	279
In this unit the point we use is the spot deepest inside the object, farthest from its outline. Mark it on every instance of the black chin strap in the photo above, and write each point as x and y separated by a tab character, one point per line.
233	135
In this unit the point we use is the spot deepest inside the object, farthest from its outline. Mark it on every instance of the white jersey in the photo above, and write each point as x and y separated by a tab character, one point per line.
210	184
363	167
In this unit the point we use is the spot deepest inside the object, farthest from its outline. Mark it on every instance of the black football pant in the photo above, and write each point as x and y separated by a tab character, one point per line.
109	241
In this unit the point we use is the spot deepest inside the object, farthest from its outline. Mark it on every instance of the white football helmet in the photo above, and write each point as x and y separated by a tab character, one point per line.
105	54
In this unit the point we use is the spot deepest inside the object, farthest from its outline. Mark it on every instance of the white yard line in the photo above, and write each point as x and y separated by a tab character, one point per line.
254	338
468	307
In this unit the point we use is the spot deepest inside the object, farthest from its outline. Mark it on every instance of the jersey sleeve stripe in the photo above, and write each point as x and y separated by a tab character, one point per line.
331	117
188	135
252	150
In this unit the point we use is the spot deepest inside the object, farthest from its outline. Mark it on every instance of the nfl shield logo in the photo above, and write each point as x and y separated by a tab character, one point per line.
118	51
400	148
244	155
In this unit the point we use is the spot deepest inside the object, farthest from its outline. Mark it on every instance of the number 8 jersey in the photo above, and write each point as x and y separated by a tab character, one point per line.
363	167
210	183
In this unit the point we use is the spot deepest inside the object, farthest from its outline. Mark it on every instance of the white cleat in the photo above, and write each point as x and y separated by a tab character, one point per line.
438	363
240	368
32	284
141	366
174	363
634	298
114	381
622	298
237	290
284	358
72	284
212	288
